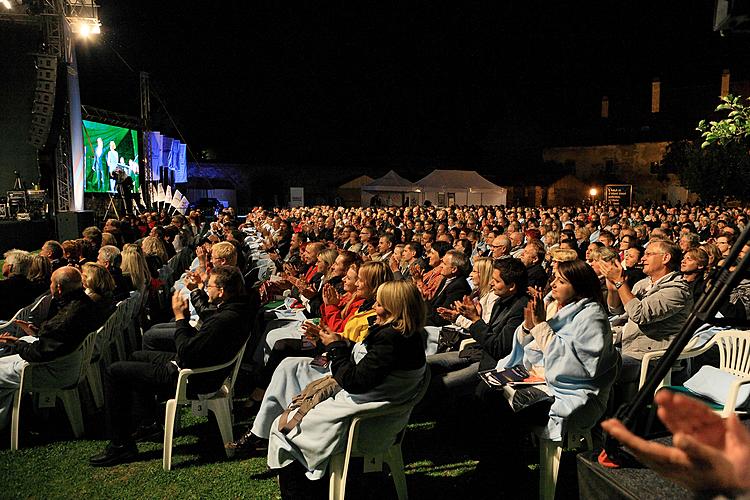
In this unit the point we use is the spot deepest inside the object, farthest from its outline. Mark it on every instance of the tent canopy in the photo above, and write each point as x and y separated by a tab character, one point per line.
458	180
390	182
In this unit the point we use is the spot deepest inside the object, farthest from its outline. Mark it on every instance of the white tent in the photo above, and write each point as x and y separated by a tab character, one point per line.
460	187
392	189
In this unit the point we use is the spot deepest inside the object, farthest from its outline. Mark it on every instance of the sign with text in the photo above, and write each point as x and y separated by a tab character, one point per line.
619	195
296	197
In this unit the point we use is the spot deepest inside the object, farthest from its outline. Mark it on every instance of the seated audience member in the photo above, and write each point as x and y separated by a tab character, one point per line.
98	283
533	257
710	455
452	370
78	316
109	257
655	308
93	235
693	269
632	263
131	386
351	323
501	247
54	252
574	354
454	286
155	254
411	256
494	337
160	337
16	291
428	282
385	368
40	272
72	252
109	239
89	251
134	267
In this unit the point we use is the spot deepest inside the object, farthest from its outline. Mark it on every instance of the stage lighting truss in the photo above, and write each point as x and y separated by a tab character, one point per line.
83	16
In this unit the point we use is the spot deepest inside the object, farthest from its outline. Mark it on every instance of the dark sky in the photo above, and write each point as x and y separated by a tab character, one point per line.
456	83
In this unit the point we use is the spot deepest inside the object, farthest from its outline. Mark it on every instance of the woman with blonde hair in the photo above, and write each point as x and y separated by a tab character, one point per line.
386	368
155	254
40	272
134	266
97	282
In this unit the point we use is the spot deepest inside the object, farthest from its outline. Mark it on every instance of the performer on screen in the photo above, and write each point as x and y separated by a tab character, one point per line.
112	160
97	167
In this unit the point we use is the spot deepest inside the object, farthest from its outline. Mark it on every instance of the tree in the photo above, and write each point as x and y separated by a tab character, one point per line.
719	169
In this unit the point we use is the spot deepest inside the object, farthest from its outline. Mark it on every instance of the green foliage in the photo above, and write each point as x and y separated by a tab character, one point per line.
716	174
735	128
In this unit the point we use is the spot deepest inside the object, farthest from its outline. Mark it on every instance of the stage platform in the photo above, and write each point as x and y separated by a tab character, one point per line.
25	235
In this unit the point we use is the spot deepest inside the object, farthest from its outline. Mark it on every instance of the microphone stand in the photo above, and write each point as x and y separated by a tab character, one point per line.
721	283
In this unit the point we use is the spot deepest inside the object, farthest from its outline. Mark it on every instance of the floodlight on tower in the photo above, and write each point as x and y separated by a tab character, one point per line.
6	4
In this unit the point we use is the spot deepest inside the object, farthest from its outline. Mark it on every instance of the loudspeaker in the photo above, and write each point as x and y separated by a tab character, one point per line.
70	225
44	99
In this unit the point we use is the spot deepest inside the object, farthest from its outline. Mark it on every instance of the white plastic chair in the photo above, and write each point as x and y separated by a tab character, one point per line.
67	391
25	312
338	466
688	352
220	403
107	334
734	358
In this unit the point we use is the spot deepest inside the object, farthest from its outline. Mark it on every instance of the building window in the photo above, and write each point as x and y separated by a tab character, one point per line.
441	199
452	199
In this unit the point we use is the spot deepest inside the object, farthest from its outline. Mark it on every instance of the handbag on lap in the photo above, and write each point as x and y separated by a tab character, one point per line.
315	392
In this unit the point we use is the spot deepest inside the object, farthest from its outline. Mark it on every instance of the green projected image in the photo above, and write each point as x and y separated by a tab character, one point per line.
111	155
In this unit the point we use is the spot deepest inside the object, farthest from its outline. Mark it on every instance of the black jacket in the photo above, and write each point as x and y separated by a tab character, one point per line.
16	292
63	333
387	350
537	276
220	337
446	296
496	339
123	285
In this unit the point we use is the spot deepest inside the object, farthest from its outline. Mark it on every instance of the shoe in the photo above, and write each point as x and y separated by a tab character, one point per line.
248	445
114	454
153	432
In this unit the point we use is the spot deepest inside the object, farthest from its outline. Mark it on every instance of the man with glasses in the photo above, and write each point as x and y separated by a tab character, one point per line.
655	308
724	243
131	387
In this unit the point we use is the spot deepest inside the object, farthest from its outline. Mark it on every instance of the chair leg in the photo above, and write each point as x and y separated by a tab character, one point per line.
223	414
169	418
72	405
94	378
337	477
15	420
395	461
549	464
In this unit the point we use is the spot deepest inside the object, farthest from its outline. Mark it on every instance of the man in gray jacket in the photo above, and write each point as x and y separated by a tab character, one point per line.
656	307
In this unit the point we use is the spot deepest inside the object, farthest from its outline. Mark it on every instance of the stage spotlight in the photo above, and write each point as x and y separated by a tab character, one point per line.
6	4
84	30
96	29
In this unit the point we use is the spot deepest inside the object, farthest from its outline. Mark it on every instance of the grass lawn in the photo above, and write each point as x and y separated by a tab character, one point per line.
439	465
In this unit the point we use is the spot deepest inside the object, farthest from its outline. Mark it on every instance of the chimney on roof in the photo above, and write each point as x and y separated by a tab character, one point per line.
605	107
725	83
655	94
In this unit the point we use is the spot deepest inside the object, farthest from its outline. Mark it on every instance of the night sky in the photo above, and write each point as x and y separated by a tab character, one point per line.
454	84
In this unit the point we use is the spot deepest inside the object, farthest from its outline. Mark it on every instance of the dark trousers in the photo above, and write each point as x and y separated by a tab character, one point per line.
160	337
131	388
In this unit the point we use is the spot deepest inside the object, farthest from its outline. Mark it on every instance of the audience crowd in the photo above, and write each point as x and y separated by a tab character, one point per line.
376	296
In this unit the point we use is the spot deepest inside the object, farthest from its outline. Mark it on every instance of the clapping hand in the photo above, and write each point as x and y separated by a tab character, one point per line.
611	270
469	309
447	314
180	306
7	337
416	272
330	295
534	313
311	331
327	336
709	453
27	327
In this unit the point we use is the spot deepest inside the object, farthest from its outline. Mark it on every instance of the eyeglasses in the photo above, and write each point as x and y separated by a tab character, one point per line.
214	286
649	254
